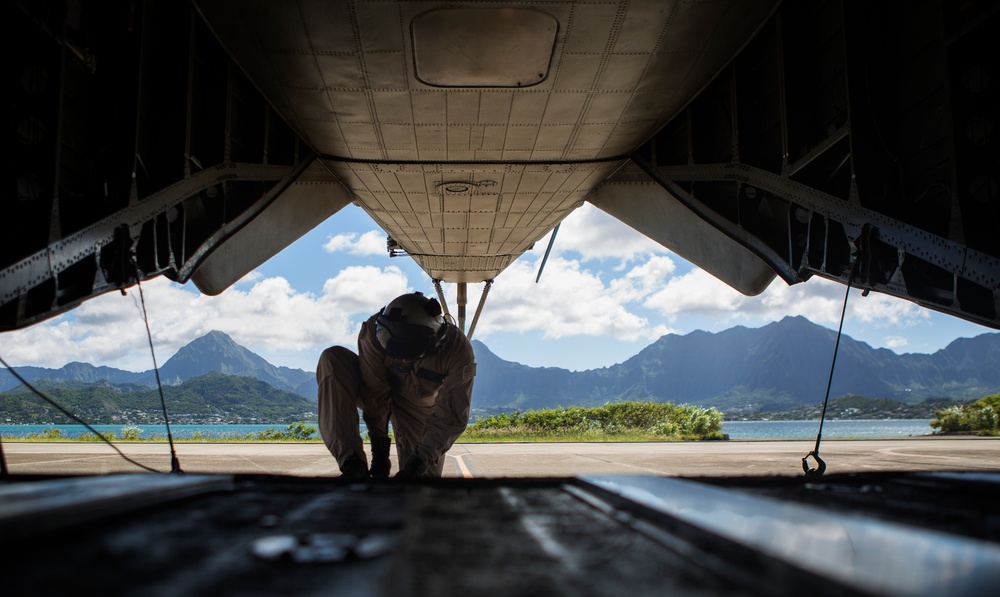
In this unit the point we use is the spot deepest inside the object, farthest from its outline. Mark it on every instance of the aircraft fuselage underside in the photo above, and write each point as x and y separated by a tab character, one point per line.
756	139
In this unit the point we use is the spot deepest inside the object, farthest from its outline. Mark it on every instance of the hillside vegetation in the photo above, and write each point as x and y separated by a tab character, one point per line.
740	371
852	407
622	421
293	432
209	398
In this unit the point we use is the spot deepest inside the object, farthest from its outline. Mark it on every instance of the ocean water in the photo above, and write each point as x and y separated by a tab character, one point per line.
808	429
736	429
178	431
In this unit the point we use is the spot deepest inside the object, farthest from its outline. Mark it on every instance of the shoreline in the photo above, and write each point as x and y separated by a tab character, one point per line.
961	436
277	433
747	457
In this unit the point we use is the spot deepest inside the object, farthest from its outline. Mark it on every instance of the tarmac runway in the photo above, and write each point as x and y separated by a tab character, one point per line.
719	458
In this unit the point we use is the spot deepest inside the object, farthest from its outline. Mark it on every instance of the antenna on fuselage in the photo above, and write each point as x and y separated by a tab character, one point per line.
548	249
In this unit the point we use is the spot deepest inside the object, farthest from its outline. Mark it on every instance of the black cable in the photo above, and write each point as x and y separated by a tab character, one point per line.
821	466
175	464
72	416
3	462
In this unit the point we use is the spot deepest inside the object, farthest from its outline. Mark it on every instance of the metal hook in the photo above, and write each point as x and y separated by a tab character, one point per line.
820	465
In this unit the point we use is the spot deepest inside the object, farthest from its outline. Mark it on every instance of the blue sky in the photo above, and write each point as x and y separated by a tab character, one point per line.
606	293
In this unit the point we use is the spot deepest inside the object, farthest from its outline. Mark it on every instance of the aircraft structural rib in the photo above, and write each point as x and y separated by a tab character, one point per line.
755	138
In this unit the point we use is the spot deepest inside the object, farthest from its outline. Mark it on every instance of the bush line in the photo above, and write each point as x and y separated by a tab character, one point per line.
620	421
982	417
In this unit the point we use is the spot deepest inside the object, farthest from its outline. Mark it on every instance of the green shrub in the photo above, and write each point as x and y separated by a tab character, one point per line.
990	401
301	431
947	420
270	435
131	433
52	433
979	417
293	432
637	420
701	423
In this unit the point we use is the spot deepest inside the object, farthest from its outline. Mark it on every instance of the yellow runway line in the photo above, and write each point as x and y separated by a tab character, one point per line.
466	473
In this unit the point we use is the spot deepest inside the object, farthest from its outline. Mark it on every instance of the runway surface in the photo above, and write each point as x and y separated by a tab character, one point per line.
722	458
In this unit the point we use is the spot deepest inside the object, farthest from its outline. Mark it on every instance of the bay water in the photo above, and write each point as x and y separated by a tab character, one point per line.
893	428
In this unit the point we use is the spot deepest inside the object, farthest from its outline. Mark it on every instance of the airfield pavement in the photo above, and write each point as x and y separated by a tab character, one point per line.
717	458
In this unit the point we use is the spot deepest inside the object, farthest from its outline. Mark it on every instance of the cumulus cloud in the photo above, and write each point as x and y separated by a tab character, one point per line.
818	299
644	298
895	342
695	293
594	234
642	280
886	311
371	243
568	301
269	317
645	275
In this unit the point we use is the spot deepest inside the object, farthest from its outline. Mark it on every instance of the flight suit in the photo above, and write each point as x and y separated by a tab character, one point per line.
427	400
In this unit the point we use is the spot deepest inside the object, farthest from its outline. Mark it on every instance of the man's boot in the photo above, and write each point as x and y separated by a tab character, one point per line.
354	469
380	458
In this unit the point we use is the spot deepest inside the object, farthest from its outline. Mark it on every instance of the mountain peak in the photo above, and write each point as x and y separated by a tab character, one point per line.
215	351
795	320
214	336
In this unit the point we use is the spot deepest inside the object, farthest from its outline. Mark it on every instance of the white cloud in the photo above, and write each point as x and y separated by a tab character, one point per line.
695	293
270	317
250	278
885	311
578	295
371	243
644	279
818	299
364	289
596	235
895	342
568	301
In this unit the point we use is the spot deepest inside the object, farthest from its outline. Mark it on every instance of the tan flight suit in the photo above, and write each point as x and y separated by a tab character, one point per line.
427	400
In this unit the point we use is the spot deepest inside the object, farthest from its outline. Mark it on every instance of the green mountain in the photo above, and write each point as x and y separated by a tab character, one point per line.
210	398
74	373
779	366
215	351
851	407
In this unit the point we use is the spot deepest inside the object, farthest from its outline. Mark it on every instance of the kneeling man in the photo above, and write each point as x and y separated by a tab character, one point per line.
412	368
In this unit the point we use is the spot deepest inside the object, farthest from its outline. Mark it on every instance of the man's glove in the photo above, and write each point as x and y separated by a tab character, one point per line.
380	458
414	468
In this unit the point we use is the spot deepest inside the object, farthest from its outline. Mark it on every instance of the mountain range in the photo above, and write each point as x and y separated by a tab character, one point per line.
211	398
778	366
781	365
215	351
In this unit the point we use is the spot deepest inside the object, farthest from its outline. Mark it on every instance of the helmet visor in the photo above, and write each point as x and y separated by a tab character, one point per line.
406	341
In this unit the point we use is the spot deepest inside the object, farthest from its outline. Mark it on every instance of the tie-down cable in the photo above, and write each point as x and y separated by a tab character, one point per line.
820	465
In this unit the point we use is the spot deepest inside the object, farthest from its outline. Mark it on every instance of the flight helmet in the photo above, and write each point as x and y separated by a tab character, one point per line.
410	326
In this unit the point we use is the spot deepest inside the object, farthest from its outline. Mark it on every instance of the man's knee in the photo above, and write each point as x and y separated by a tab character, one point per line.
338	360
